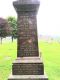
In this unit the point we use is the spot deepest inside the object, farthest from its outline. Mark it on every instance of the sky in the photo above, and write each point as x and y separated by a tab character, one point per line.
48	17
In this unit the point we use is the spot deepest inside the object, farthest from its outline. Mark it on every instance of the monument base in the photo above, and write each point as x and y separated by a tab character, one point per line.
28	68
28	77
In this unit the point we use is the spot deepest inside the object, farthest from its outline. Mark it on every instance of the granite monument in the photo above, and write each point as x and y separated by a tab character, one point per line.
28	65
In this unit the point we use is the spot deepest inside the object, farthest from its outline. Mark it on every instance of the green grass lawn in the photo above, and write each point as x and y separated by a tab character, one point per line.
8	52
50	54
51	58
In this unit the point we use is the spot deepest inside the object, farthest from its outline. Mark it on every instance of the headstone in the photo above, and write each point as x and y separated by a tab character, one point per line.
28	65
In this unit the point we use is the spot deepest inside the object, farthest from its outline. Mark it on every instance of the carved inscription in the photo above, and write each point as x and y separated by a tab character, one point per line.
27	39
29	69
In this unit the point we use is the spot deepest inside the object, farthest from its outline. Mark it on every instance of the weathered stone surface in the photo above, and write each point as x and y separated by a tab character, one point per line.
28	66
28	1
26	5
28	69
27	39
28	77
28	60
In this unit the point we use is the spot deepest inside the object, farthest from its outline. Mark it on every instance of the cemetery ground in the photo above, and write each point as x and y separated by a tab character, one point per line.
50	53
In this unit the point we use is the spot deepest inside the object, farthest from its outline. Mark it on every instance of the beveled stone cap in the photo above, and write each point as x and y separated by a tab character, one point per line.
26	5
28	1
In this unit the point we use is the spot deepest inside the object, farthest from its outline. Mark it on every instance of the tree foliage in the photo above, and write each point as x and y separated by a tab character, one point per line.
13	24
4	28
8	27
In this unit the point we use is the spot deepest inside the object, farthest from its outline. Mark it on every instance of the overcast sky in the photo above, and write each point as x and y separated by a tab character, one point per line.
48	15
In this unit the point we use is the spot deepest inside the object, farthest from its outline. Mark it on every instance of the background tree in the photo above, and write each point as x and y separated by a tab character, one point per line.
4	28
13	24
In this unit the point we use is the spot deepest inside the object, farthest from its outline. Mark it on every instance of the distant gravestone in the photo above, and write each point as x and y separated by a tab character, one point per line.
28	65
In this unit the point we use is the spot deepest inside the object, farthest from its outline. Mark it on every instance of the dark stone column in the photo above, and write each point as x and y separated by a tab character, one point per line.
27	36
28	65
27	27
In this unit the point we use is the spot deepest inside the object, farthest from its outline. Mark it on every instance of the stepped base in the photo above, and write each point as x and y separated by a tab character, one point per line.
28	77
28	66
